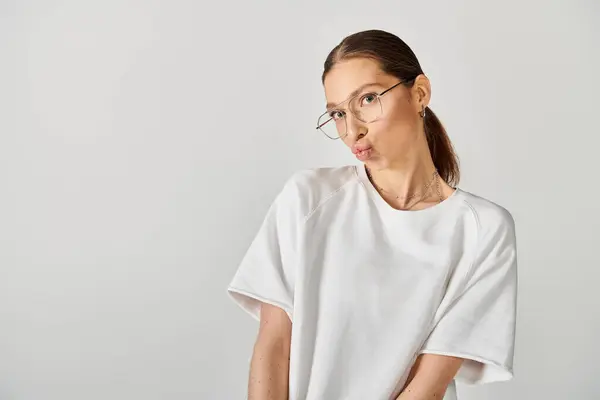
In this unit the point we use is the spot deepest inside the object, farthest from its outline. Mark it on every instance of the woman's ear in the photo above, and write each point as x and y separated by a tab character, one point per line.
421	91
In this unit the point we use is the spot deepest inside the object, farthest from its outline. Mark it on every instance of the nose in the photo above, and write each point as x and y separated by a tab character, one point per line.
355	129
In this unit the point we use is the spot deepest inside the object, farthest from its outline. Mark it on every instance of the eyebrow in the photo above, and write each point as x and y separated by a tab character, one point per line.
354	93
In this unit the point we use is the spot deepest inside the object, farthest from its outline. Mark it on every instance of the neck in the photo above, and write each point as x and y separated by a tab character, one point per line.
404	178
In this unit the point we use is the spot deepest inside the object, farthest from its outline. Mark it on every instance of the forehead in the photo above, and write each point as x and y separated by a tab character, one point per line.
348	75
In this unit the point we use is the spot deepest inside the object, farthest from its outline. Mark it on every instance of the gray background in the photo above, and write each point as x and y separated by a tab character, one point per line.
141	143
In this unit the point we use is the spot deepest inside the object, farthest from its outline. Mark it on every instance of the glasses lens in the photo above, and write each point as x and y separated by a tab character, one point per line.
332	128
367	107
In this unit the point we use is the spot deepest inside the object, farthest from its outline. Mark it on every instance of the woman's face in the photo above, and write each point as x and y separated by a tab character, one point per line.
396	133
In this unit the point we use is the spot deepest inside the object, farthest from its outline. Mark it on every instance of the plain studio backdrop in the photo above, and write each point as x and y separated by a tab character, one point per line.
142	142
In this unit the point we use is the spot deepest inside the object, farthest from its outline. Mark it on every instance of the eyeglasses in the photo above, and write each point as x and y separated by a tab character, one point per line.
366	107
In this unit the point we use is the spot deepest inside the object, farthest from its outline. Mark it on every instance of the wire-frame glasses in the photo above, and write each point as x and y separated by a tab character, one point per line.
366	107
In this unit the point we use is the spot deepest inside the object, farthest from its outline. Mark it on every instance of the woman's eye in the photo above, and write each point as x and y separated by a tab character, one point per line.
368	99
335	115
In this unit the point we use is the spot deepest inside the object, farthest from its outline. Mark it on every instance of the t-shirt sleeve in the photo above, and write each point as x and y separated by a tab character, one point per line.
267	272
477	317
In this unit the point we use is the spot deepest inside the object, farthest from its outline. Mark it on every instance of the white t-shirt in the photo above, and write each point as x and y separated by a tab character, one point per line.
368	288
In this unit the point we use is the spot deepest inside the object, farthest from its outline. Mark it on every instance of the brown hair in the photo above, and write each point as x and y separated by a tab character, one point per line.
397	59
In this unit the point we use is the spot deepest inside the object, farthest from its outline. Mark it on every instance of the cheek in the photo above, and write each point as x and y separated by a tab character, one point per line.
403	116
398	127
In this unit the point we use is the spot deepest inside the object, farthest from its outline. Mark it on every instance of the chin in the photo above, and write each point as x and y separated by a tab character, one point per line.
376	163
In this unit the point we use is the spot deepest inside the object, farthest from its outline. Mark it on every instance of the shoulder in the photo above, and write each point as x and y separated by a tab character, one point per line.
307	189
490	217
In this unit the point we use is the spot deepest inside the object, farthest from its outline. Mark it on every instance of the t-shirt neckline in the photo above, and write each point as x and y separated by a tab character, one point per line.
379	201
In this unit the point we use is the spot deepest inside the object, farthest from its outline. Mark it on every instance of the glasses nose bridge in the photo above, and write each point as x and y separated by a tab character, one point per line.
352	107
354	125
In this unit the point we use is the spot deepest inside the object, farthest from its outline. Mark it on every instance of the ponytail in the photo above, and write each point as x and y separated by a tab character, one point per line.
441	149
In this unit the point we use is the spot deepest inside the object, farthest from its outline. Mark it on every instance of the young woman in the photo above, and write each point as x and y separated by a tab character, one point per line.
383	280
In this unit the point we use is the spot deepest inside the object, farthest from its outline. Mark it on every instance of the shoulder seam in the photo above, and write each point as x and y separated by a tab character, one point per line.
478	243
325	200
